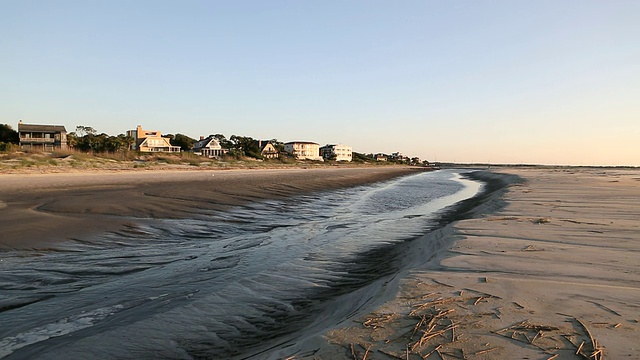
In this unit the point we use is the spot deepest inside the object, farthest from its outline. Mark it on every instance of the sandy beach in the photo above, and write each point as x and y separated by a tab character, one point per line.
38	211
545	269
553	274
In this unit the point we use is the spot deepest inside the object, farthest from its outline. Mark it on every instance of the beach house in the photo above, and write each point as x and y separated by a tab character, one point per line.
150	141
398	156
339	152
304	150
42	137
267	150
380	157
209	147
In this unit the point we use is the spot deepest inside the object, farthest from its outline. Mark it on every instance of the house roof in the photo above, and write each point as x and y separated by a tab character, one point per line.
206	143
263	144
301	142
41	128
145	141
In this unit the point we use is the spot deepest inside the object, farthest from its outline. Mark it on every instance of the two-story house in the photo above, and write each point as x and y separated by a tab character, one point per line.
304	150
42	137
267	150
209	147
151	141
338	152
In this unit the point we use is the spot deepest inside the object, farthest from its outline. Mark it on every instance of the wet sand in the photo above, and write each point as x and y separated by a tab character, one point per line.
552	275
42	211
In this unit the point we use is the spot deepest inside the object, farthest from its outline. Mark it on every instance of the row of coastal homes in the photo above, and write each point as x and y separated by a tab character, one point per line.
313	151
212	148
51	137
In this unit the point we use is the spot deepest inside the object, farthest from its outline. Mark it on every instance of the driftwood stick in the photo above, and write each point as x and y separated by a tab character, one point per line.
594	343
596	354
440	301
511	327
538	334
432	351
366	353
518	305
486	351
453	331
427	295
430	336
415	329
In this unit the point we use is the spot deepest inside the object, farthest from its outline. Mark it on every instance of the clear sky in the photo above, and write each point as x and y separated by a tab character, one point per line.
545	82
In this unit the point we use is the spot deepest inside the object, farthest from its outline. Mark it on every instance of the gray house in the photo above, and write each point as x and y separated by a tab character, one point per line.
42	137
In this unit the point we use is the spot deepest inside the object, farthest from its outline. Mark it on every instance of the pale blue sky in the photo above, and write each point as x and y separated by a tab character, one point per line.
549	82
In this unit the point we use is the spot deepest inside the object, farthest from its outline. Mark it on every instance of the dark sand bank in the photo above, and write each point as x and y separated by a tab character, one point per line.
39	211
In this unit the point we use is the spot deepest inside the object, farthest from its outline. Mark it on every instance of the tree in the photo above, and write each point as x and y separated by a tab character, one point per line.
85	130
245	146
126	142
224	143
185	142
8	135
72	139
90	141
359	157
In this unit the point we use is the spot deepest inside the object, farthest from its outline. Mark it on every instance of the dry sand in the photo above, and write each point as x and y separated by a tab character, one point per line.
553	275
39	211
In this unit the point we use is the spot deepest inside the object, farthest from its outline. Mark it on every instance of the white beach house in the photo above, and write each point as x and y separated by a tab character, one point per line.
304	150
339	152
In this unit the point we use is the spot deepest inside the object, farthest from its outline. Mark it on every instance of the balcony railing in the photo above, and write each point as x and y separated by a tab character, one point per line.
37	140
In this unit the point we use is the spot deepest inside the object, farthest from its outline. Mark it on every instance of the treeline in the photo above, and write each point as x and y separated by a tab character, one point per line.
8	137
87	139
